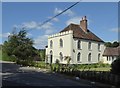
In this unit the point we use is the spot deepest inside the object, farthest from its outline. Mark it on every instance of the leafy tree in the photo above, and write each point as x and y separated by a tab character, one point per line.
42	54
20	46
0	51
0	46
115	66
108	44
115	44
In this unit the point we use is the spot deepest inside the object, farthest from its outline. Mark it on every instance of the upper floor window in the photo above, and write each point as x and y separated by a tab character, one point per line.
89	57
78	57
61	43
89	45
61	56
79	44
51	44
99	46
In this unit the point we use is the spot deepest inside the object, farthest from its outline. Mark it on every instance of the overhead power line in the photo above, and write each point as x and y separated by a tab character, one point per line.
58	14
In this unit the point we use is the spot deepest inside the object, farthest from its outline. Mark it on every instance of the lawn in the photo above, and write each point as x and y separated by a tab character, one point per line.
94	67
5	57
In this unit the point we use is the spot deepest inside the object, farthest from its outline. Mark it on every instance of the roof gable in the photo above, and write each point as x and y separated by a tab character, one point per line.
79	33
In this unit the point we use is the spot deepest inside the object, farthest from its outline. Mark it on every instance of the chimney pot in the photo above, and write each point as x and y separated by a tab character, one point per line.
82	18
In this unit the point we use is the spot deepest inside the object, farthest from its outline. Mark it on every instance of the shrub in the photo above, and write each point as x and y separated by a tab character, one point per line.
57	61
13	58
6	57
25	62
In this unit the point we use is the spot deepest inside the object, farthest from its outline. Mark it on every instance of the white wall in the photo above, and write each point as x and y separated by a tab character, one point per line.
109	59
70	45
85	51
67	45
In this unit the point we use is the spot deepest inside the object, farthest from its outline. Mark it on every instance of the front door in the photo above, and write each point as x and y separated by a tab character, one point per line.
51	58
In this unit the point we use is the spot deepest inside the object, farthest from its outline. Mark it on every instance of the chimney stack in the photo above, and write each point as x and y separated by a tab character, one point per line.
83	24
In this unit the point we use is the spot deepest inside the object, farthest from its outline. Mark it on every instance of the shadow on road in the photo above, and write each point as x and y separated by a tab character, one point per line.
12	75
9	67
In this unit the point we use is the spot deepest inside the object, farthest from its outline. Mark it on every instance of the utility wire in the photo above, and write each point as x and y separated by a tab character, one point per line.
58	14
55	15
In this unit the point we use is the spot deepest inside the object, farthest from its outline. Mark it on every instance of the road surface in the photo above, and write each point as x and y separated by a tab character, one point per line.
15	75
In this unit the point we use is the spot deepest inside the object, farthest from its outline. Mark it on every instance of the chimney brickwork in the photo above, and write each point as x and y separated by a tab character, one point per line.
83	24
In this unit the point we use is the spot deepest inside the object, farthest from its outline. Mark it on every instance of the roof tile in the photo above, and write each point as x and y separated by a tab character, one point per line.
110	51
79	33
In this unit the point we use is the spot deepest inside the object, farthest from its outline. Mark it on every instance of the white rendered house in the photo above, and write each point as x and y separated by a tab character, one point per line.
110	54
77	42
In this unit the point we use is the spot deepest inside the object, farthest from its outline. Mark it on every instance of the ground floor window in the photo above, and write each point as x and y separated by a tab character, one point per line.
78	57
111	58
51	56
89	57
61	56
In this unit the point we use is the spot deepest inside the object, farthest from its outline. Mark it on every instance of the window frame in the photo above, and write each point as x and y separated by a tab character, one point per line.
61	56
89	57
79	44
89	46
79	57
98	57
99	48
61	43
51	44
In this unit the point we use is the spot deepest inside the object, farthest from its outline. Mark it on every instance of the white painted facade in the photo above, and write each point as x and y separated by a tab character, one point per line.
70	48
109	59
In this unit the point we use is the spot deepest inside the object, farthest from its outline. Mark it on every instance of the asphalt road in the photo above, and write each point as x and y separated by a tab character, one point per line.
15	75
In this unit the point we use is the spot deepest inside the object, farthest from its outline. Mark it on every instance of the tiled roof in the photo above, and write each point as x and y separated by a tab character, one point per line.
109	51
79	33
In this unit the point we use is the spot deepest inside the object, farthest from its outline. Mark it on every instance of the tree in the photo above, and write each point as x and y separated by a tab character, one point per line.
115	44
115	66
20	46
42	54
0	46
108	44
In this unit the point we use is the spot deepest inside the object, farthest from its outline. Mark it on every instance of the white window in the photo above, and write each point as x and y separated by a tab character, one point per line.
89	45
61	56
79	44
61	43
89	57
78	57
51	44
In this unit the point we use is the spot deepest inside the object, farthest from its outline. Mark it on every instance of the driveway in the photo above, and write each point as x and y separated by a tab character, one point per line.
16	75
